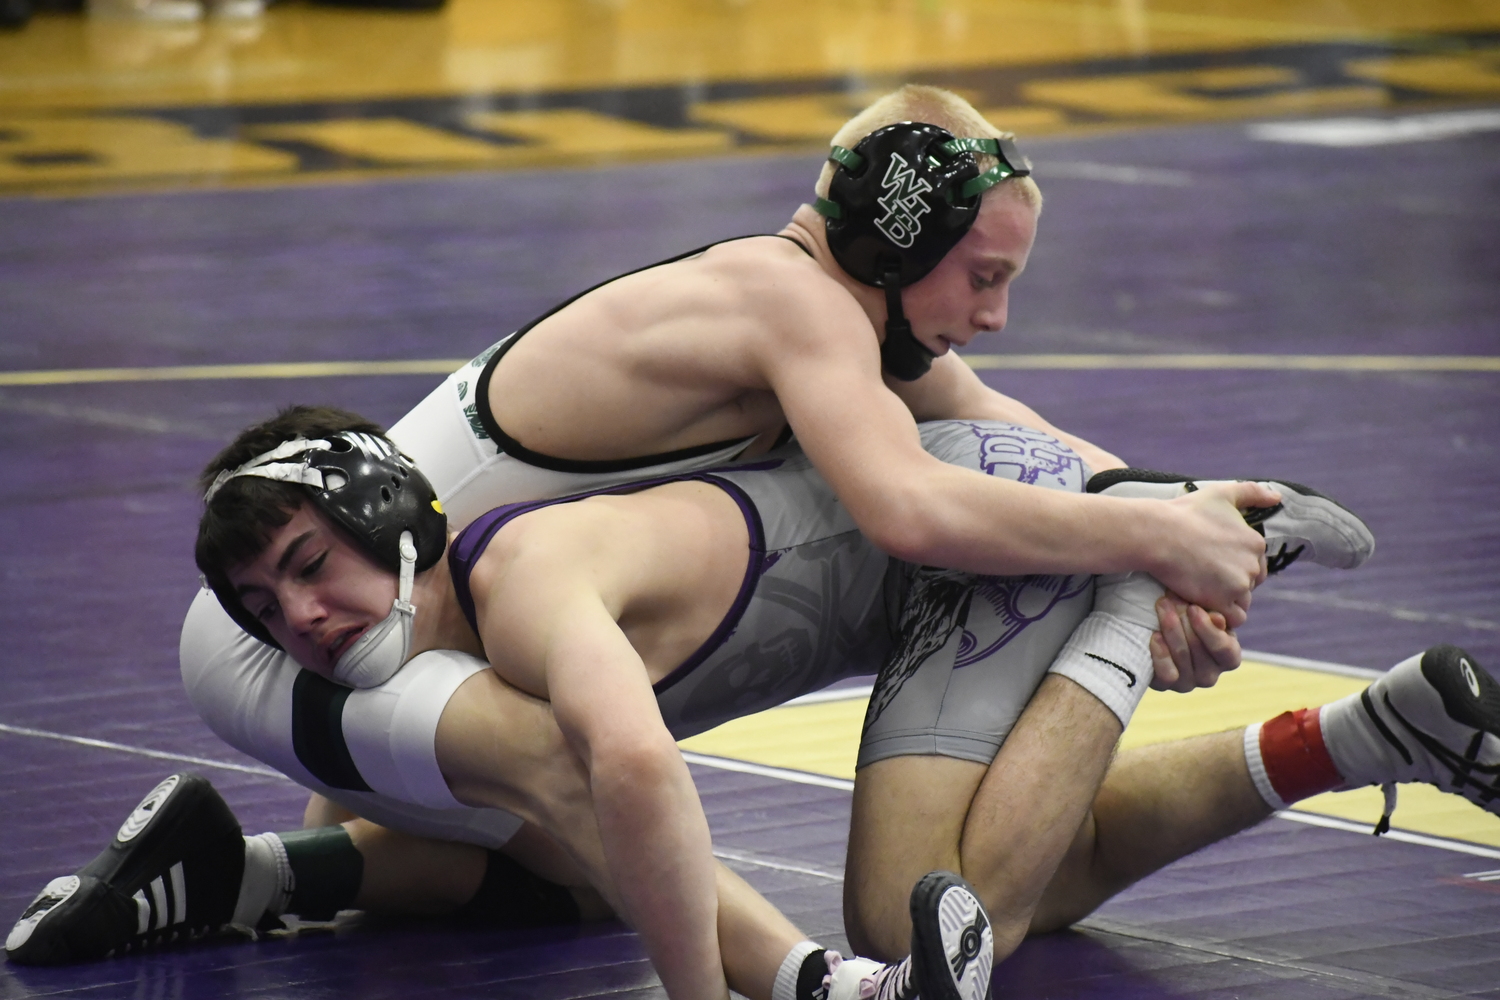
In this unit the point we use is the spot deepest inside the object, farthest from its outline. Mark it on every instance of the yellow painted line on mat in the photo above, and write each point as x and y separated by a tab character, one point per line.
1268	362
190	373
442	366
824	739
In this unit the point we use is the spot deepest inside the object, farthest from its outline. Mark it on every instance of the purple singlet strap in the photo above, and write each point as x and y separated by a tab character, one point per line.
470	544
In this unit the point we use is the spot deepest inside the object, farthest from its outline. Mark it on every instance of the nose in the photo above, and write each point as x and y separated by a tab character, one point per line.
302	610
992	311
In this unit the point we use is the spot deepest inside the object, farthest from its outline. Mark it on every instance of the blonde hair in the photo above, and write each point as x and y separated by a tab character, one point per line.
935	106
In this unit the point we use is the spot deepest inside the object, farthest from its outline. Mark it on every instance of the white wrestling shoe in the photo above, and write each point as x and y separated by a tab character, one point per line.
1434	718
952	951
1305	523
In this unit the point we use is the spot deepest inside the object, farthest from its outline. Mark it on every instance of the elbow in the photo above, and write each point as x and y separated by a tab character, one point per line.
905	528
638	762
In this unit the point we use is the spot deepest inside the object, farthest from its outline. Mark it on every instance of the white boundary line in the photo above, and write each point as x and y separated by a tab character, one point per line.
781	866
1320	666
1404	836
265	772
766	771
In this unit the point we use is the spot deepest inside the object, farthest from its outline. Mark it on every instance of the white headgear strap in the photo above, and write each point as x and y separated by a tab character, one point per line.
271	466
383	649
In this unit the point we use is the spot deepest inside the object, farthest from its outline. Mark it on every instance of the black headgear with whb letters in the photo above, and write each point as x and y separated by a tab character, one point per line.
899	201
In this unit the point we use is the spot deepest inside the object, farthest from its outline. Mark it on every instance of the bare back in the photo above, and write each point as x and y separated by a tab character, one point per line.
658	360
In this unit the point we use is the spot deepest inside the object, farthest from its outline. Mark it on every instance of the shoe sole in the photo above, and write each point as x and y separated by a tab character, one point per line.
952	942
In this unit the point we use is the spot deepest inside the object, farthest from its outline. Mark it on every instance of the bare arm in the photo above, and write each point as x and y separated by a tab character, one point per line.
562	642
864	440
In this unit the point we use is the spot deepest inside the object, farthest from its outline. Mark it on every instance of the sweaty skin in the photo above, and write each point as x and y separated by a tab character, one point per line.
754	335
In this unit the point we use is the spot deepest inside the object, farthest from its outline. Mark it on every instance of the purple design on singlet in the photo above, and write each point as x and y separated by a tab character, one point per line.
1029	457
1017	602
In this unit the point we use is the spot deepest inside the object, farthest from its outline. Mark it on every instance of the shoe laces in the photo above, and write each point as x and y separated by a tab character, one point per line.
889	982
1283	558
1389	791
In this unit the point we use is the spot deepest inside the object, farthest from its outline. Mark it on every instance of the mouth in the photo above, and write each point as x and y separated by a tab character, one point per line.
338	644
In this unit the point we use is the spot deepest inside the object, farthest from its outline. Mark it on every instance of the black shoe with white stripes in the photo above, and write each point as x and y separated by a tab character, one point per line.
952	943
172	872
952	951
1305	523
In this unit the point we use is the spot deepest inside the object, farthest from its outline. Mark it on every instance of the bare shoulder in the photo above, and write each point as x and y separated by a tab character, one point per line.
797	305
549	542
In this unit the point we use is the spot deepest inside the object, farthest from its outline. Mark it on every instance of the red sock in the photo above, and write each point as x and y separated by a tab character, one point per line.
1296	761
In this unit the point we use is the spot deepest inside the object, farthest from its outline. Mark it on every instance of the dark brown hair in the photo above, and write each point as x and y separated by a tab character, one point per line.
237	524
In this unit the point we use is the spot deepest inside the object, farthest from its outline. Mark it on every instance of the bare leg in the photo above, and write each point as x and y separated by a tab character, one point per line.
415	876
1158	804
1005	828
754	937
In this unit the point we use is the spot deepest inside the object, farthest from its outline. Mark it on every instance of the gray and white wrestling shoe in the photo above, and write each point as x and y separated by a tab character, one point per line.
1305	523
1434	718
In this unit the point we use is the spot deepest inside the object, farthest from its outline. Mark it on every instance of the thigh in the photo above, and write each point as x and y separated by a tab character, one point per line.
967	656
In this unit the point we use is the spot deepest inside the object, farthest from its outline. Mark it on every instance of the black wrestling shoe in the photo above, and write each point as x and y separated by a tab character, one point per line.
1305	523
172	872
952	951
952	943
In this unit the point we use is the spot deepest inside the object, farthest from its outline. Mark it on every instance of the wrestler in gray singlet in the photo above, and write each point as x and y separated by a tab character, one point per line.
959	655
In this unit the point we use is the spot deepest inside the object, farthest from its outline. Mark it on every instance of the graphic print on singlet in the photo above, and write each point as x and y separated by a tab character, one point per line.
935	602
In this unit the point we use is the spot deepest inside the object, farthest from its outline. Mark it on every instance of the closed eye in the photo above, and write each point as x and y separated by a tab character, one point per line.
980	282
311	569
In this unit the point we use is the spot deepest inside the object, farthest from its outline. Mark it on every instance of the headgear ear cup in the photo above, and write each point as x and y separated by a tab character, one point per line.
364	485
899	201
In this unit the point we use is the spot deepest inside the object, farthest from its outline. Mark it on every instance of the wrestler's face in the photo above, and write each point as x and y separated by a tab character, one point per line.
314	589
968	293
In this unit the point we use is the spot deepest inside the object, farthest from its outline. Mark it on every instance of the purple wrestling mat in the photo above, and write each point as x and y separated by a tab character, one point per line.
1190	241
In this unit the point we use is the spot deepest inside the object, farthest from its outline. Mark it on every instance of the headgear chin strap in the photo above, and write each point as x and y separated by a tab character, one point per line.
899	201
366	486
382	650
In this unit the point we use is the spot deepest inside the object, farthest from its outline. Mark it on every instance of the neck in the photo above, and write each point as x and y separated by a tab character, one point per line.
807	228
439	621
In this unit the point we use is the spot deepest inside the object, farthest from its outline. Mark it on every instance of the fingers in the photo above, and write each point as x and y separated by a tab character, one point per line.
1245	494
1164	672
1220	648
1193	649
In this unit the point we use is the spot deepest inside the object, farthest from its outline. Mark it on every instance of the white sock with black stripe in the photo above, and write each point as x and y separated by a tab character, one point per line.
1109	654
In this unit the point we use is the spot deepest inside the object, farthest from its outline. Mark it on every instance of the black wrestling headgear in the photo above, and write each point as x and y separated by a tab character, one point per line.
899	201
365	486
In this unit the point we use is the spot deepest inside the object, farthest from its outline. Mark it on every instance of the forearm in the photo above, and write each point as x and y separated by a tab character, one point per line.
960	519
658	848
